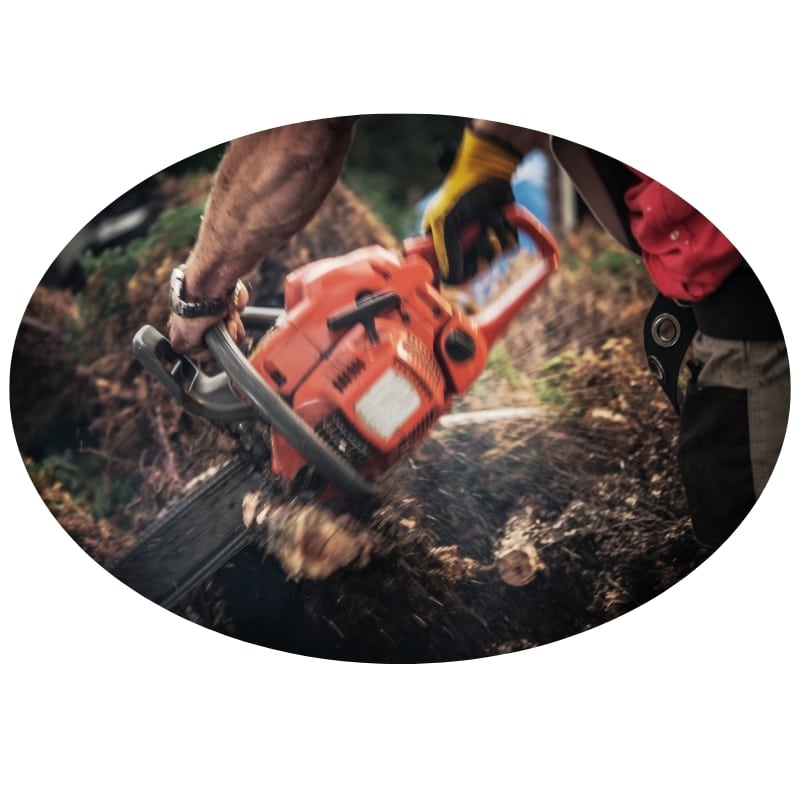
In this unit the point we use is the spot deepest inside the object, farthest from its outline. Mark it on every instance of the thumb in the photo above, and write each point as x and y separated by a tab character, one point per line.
452	252
437	233
241	296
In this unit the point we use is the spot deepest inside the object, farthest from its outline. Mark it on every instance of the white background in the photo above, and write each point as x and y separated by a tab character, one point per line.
106	695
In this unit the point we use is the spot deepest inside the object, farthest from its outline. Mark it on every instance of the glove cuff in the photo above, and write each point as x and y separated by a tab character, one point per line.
485	157
496	140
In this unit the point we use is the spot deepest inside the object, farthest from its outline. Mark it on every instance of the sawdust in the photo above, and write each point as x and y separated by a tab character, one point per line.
455	567
310	541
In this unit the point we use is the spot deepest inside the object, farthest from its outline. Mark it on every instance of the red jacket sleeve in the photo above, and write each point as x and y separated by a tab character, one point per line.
687	257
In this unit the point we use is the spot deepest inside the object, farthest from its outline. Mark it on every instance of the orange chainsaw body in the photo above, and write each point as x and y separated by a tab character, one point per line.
369	353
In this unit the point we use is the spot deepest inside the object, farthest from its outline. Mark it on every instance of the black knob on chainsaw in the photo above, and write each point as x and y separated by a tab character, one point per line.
459	345
364	312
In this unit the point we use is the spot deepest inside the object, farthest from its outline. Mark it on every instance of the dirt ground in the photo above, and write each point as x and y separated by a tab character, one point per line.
493	536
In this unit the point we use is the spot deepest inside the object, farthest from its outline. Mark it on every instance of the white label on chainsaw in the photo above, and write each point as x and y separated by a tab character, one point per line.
387	404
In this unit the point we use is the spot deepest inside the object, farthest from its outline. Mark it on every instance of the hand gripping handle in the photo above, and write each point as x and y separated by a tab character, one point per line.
492	320
201	394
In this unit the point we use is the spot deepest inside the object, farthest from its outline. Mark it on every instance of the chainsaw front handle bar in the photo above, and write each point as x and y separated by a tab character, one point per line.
518	216
492	320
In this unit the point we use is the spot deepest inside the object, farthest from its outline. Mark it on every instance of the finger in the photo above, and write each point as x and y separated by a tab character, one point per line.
235	327
455	267
482	253
186	336
436	232
196	352
493	245
504	232
241	296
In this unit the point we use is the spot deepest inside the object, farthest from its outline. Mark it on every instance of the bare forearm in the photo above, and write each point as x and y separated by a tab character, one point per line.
522	140
267	187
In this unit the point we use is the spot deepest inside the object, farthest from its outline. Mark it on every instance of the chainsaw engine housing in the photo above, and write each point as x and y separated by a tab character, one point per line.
369	353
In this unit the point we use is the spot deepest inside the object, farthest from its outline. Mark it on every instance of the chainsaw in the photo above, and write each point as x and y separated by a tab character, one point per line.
367	354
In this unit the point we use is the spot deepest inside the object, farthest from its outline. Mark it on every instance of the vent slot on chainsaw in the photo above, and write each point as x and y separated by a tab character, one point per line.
348	375
422	362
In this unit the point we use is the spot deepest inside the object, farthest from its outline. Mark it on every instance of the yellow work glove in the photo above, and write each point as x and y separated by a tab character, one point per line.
476	187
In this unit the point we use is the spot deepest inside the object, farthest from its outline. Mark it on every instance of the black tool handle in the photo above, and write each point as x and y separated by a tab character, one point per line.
364	312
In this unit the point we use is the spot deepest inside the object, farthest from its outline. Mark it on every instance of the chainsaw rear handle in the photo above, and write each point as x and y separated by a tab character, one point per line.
209	396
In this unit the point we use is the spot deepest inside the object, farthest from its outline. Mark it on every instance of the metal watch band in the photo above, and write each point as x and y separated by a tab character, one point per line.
190	309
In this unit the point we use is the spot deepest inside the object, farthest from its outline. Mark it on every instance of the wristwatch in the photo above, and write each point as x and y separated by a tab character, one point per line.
191	309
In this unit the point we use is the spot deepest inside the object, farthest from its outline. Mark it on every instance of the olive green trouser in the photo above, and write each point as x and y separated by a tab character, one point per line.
732	427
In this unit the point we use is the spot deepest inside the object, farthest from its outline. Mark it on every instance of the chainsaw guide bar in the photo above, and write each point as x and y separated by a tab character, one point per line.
193	539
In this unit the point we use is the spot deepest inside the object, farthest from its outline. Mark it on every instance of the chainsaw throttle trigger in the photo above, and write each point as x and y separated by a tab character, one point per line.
364	312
